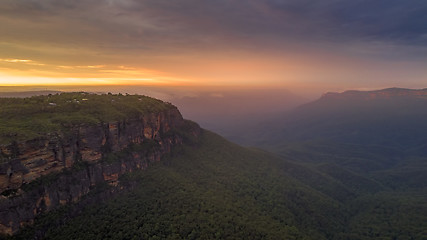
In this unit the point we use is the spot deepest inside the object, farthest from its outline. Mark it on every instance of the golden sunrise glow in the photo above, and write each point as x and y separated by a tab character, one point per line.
176	72
7	80
10	80
255	45
21	72
16	60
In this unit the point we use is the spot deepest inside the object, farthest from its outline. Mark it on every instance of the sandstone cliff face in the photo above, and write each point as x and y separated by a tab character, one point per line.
58	154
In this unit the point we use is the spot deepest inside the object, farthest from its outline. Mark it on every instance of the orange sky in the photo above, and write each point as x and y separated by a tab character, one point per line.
240	43
296	71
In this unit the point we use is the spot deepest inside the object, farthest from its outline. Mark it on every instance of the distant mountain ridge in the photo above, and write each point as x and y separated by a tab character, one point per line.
392	116
360	131
374	94
369	140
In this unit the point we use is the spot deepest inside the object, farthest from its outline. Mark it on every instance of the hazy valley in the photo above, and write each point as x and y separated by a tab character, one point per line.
347	166
262	119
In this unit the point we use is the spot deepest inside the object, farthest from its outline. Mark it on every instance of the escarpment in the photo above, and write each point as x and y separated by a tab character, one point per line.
62	166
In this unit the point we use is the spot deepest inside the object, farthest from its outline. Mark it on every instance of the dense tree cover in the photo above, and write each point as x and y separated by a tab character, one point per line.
348	170
374	144
215	191
218	190
25	118
389	186
390	215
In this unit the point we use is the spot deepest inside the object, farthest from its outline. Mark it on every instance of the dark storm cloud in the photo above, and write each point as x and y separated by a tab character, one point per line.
110	25
395	21
403	22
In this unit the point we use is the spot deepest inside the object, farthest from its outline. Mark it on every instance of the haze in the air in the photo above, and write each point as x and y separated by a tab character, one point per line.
225	64
306	46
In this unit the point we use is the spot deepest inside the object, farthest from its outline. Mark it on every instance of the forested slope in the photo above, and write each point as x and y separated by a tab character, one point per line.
219	190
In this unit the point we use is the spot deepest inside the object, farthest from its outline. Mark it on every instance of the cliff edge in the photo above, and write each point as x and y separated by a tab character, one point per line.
56	149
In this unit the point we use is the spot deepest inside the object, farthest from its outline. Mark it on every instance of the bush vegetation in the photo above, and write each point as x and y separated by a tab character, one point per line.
27	118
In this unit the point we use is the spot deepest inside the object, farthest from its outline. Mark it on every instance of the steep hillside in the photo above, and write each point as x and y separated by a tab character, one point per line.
219	190
216	190
390	117
372	142
58	148
352	128
200	186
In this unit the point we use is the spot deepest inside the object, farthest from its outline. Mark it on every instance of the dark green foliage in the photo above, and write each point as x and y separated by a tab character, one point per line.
215	191
373	144
390	215
185	132
219	190
345	174
26	118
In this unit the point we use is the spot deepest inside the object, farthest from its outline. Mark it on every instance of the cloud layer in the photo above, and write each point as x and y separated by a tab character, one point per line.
147	33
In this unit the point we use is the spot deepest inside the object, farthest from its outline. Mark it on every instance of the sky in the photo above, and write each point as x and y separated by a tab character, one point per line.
308	46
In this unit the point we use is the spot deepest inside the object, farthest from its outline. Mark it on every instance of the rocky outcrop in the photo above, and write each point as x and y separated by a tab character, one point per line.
60	168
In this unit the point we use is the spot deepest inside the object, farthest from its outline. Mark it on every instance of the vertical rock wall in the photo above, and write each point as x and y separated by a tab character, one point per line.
57	154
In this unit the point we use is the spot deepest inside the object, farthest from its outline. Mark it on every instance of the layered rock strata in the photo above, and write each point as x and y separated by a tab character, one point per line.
60	168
